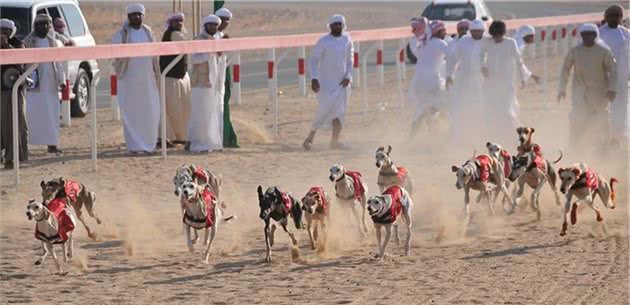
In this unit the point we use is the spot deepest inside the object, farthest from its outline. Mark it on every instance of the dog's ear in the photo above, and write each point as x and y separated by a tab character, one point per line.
454	168
31	201
577	172
519	130
488	144
532	129
380	148
61	181
42	184
260	192
389	149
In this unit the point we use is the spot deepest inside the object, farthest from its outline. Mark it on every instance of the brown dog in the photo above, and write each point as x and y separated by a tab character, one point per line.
316	203
75	194
525	135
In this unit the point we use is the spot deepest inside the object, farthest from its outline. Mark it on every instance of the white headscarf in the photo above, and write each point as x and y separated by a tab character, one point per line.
477	24
135	8
337	18
8	24
223	12
174	16
521	33
589	27
210	19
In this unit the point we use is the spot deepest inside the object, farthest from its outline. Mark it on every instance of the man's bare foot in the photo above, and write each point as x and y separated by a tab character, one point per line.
307	144
339	146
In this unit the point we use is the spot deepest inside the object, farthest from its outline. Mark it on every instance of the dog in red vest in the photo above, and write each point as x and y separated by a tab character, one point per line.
504	159
351	192
54	225
478	173
385	210
581	181
278	206
201	212
76	195
316	204
389	174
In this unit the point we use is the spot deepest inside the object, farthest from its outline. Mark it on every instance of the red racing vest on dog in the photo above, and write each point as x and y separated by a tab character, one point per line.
287	202
402	173
396	193
484	168
592	182
357	182
201	175
322	196
65	223
72	189
208	198
507	163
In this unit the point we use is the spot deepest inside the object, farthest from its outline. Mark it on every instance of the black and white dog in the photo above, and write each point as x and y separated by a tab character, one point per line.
278	206
385	209
201	212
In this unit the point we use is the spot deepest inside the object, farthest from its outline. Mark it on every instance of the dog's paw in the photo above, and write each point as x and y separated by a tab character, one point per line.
62	272
191	249
563	233
206	261
268	259
38	262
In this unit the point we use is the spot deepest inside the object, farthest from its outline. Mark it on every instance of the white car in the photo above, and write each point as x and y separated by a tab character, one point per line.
79	72
452	11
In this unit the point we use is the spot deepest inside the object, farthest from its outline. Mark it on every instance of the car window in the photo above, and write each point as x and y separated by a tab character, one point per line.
21	17
74	20
450	12
53	12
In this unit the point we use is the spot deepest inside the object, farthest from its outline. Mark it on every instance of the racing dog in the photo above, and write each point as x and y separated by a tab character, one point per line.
316	203
201	211
278	206
532	169
504	160
385	210
76	195
526	142
54	224
477	174
581	181
350	190
389	174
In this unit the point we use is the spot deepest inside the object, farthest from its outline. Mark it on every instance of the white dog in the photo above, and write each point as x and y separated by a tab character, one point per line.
582	182
390	174
54	225
350	190
201	211
385	210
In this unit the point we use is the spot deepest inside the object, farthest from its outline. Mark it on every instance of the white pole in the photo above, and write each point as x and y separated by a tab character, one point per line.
400	63
236	79
113	102
356	72
379	64
555	40
365	81
65	105
273	95
301	70
95	80
544	45
14	105
163	102
564	42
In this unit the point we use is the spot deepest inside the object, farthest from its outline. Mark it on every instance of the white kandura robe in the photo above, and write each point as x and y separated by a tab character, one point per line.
426	89
505	70
205	128
331	62
42	105
463	66
139	98
618	40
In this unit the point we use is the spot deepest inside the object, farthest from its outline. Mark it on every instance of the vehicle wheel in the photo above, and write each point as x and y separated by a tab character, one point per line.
412	58
80	105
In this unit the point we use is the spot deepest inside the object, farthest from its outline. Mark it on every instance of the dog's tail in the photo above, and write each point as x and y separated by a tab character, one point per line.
229	219
296	213
560	158
613	195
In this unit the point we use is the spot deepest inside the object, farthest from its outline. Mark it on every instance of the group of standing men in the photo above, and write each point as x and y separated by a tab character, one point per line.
197	113
197	106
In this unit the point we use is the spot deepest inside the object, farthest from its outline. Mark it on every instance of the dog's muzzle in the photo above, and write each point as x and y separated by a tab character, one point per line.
563	190
521	139
29	215
177	192
264	214
378	164
458	186
332	179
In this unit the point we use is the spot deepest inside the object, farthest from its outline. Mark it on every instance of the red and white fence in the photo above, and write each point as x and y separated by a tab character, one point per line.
237	45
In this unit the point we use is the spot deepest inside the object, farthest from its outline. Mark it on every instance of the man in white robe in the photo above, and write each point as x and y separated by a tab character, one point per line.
617	38
42	101
427	84
525	37
205	129
465	84
138	95
502	66
330	67
594	82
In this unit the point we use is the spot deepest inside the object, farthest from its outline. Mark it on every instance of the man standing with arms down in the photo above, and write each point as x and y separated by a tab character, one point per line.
42	101
330	67
594	80
229	135
617	37
138	85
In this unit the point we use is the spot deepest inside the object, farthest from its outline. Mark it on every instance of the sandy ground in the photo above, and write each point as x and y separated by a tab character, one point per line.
141	256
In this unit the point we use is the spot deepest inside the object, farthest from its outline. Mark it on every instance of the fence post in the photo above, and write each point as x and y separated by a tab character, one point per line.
379	64
273	95
564	43
14	116
554	40
301	70
356	71
401	57
95	80
113	102
236	79
545	52
65	105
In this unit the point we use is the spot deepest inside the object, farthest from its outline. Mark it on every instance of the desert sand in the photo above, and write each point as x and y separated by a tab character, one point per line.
141	255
